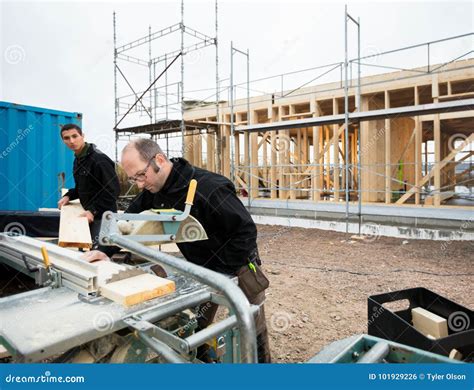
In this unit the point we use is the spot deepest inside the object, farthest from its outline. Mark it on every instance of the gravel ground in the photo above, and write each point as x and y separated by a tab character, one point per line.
320	282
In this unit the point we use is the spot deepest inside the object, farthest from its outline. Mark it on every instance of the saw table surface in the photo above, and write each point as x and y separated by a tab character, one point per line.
45	322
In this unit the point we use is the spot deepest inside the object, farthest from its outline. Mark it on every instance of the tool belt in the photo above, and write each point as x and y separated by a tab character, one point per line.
252	280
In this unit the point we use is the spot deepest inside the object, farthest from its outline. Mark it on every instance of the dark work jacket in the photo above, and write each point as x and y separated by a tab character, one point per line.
97	184
230	229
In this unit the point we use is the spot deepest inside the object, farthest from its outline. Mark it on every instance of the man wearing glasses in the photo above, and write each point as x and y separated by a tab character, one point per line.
231	247
97	185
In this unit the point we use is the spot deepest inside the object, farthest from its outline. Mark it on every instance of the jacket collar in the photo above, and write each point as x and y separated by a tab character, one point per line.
179	177
90	149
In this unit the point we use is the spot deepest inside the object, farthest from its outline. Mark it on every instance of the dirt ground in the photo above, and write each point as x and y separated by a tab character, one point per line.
320	281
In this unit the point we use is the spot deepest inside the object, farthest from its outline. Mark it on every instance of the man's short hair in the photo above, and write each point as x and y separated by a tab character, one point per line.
146	148
70	126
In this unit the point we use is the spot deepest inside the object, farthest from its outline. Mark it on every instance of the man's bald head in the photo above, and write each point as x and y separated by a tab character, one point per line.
146	148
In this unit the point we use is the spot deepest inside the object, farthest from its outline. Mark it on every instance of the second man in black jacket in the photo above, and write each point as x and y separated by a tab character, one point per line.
96	182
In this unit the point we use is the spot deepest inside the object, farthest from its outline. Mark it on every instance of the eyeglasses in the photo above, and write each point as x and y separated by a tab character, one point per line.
140	175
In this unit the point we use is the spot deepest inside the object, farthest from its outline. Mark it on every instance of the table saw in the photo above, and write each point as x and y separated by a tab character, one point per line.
68	311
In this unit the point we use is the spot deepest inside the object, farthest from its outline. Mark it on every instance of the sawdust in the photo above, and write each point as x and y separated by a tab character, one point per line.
320	282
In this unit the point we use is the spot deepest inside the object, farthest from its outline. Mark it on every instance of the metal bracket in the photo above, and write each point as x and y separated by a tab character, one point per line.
43	277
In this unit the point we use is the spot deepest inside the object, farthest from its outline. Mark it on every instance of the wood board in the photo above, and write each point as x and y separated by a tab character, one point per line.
429	323
137	289
74	230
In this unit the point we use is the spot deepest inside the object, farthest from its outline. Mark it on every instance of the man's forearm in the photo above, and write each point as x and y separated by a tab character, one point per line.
72	194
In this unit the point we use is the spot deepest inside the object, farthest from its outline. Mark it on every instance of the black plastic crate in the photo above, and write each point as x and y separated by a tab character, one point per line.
396	325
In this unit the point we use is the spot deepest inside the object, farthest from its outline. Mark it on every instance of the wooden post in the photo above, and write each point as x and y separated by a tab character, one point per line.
437	159
292	185
321	156
218	143
327	161
253	158
418	142
211	146
343	157
437	143
273	156
316	172
282	154
226	148
198	153
388	155
246	156
335	142
237	162
298	157
264	157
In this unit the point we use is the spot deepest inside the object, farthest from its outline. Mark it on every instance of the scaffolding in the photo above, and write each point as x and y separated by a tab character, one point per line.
168	118
393	138
319	142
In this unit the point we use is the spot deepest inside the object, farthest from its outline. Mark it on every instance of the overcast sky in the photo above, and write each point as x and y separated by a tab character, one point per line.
60	54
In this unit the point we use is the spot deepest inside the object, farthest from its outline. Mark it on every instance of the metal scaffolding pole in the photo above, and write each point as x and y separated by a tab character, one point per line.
217	144
359	101
182	78
248	122
233	50
347	18
115	89
149	73
166	88
232	125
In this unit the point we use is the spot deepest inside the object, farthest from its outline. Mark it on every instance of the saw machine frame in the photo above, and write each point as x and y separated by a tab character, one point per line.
69	312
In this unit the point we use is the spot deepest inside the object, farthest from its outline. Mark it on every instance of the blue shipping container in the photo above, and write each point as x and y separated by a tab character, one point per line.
34	162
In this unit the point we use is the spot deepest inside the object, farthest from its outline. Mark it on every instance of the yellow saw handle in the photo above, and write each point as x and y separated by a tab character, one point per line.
191	191
44	252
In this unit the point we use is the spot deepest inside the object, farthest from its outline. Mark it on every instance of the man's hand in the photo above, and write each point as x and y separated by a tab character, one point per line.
94	256
88	215
64	200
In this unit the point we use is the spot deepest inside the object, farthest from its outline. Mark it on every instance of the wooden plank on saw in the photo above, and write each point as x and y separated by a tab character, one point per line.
137	289
74	230
429	323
